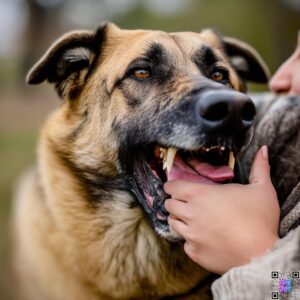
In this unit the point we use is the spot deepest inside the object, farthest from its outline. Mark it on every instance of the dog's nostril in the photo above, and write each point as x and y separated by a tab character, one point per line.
216	112
248	112
225	109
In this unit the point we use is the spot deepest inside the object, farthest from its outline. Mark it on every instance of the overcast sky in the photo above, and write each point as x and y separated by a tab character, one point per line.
12	19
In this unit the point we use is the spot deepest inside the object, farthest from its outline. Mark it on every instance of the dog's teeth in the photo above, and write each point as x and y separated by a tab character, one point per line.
170	155
162	152
207	149
231	160
222	148
164	165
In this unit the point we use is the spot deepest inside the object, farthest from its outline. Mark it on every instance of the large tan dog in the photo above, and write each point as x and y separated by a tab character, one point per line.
90	222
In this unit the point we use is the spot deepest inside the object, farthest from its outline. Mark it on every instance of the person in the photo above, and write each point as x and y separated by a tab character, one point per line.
233	229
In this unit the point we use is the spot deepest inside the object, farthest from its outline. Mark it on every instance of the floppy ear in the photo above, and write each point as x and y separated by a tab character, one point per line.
68	61
246	60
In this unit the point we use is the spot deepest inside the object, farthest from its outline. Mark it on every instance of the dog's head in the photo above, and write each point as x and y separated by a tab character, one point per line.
138	102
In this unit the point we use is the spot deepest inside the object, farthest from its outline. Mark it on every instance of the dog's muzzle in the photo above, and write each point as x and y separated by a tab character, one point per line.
197	140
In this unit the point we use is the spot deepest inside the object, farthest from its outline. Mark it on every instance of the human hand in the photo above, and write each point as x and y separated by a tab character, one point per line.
226	225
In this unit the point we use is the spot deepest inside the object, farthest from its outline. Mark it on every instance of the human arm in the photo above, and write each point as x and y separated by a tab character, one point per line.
254	281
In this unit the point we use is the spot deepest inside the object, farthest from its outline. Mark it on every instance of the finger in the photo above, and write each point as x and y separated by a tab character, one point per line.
177	209
177	225
182	189
260	171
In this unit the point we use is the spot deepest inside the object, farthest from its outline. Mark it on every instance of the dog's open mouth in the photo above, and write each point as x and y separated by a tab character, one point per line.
155	165
206	165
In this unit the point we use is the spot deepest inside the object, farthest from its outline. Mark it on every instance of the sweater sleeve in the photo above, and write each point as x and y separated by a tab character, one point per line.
254	281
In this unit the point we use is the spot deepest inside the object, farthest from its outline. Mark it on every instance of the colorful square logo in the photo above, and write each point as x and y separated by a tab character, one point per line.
285	285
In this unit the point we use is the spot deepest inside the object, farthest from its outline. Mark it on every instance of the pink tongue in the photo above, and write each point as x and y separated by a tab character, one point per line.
199	171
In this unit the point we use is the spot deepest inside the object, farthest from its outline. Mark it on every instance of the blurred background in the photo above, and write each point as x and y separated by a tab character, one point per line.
27	27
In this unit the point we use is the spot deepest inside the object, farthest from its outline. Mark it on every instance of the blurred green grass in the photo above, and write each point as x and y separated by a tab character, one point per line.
17	151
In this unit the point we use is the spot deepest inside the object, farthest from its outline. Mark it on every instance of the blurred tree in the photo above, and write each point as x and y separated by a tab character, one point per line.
286	23
42	26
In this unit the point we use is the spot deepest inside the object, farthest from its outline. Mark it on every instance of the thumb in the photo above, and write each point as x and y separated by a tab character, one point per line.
260	170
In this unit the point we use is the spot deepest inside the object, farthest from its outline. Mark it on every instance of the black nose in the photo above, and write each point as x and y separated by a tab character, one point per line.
231	109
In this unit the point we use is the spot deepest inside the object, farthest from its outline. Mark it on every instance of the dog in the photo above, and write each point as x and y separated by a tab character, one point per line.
137	105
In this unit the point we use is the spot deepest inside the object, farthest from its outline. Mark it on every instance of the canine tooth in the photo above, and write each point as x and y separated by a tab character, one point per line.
207	149
222	148
162	152
231	160
165	166
170	155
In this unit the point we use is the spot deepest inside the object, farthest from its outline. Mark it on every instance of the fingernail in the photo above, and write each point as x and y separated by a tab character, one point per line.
265	152
167	200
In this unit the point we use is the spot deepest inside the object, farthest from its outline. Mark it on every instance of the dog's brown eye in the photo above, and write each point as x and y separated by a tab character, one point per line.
142	73
217	76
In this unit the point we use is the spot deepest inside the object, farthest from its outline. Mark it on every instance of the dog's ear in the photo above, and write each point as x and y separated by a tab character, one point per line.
68	61
246	60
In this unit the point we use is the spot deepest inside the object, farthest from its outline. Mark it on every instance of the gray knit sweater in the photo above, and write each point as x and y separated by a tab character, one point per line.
276	274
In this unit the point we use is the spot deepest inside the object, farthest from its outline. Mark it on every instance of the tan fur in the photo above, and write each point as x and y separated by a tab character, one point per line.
67	248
